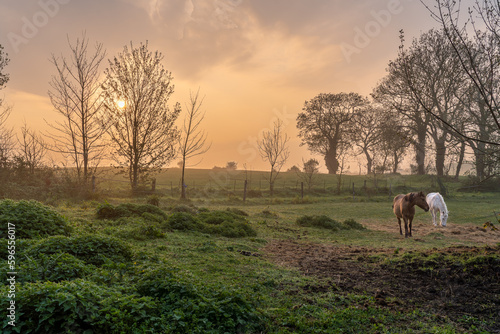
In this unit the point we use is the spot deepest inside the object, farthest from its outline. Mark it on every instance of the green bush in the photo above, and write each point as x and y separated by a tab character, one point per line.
183	208
31	219
53	267
153	200
232	230
320	222
186	310
218	217
108	211
91	249
184	221
79	306
351	224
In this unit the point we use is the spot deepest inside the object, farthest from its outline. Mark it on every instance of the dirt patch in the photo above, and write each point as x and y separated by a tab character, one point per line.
452	290
426	230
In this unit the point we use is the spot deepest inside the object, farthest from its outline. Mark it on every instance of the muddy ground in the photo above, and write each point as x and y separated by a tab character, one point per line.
452	290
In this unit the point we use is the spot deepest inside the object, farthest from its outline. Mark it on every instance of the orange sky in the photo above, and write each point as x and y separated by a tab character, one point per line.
254	60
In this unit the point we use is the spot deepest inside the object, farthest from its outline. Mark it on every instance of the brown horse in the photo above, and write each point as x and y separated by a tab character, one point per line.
404	207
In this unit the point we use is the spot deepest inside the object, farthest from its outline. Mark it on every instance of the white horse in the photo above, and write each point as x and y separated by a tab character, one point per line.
436	203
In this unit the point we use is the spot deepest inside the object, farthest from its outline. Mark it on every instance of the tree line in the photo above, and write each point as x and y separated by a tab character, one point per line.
439	98
122	114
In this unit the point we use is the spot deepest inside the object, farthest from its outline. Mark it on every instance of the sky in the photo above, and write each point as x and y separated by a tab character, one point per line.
253	60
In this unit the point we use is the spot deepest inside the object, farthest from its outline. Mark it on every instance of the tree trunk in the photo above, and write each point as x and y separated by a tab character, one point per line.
369	161
440	156
460	160
183	188
420	148
331	162
395	163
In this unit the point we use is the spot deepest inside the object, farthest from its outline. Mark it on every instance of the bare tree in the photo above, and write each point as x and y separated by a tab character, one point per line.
75	96
6	144
32	148
141	125
273	148
474	34
192	140
6	135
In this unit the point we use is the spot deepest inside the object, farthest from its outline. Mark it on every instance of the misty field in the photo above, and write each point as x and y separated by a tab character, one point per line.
327	262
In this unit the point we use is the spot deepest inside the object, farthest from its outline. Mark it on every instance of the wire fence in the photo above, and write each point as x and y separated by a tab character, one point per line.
257	185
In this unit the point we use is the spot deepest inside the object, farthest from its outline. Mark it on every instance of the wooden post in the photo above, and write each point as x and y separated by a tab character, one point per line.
245	191
353	191
302	190
93	184
153	185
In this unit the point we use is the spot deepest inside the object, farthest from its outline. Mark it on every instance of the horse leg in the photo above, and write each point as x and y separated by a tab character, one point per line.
400	231
406	227
410	220
434	217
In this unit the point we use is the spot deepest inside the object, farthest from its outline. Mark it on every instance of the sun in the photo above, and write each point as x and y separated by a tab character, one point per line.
120	104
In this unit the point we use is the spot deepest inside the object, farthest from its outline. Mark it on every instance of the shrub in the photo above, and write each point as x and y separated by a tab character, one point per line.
320	222
92	249
184	221
153	200
183	208
79	306
108	211
351	224
54	267
186	310
31	219
218	217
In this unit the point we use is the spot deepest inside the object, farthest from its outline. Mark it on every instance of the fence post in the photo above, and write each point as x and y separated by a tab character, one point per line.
245	191
93	184
353	191
153	185
302	190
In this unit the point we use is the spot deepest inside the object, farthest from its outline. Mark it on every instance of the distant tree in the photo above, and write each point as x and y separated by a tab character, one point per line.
294	169
367	132
433	75
394	94
231	165
393	142
325	124
6	144
6	135
141	127
274	149
4	60
32	148
192	140
75	95
310	169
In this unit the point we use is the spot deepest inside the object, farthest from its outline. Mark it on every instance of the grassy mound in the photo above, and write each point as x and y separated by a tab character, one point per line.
31	219
326	222
91	249
108	211
224	223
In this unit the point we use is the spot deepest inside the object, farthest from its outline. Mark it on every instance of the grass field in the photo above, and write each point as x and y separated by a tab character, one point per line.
297	279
